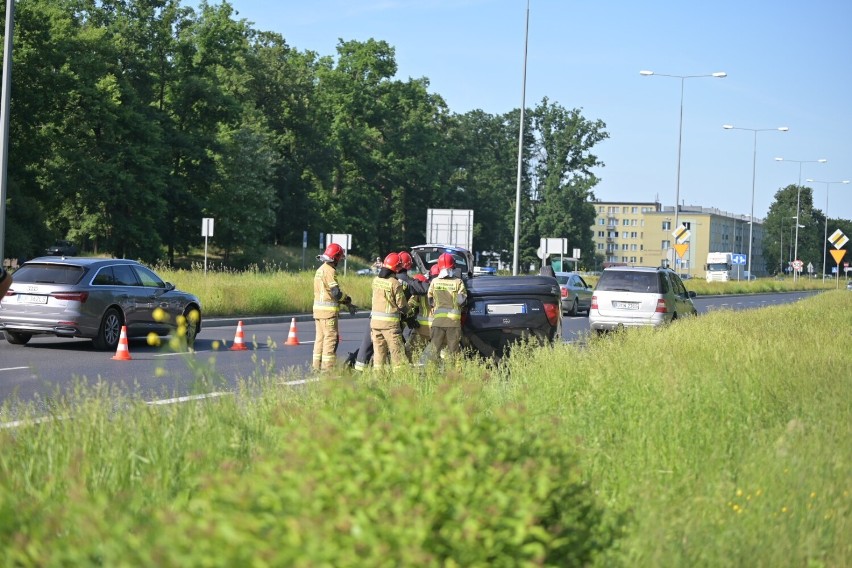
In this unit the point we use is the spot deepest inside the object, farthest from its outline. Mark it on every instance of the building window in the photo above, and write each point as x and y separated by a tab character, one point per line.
667	225
625	209
666	244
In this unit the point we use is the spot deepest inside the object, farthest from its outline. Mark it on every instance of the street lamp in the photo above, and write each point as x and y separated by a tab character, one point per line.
825	240
717	75
798	199
753	172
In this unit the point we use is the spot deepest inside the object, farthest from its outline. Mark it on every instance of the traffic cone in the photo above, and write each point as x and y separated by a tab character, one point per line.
239	341
292	339
122	353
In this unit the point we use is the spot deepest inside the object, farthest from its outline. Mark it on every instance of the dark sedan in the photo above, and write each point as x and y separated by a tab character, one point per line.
94	298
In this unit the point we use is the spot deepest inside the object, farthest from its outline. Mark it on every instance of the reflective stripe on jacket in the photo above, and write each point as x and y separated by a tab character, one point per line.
325	280
388	303
444	295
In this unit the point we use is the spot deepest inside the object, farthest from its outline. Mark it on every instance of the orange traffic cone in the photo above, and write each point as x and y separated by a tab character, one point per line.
239	341
292	339
122	353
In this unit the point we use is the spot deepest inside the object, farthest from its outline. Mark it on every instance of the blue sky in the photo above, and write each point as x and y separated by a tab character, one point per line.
789	63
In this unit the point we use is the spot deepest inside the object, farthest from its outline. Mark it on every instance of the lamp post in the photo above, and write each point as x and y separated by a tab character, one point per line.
825	239
798	200
683	78
753	172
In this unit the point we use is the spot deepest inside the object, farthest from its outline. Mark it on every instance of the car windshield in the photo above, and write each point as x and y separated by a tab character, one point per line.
625	281
430	257
49	274
562	279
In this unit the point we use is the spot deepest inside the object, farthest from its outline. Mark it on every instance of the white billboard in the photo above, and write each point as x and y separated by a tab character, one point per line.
450	227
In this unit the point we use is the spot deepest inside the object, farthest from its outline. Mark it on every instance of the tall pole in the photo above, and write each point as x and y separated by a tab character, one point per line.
751	215
753	175
717	75
521	148
4	119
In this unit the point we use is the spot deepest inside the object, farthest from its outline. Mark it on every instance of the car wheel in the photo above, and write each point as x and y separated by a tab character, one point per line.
193	319
573	311
17	338
110	331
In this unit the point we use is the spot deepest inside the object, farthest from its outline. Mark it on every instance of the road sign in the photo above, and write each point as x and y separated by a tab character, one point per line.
681	234
838	255
838	239
681	248
738	258
797	265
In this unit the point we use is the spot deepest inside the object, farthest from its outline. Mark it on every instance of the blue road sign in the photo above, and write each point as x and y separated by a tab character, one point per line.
738	258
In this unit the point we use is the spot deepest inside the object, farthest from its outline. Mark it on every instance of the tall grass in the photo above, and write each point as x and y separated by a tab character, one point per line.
721	440
270	291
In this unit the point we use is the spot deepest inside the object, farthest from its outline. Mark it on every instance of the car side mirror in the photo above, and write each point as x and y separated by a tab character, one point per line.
692	294
169	286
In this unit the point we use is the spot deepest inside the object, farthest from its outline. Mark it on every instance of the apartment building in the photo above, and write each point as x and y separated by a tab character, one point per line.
641	233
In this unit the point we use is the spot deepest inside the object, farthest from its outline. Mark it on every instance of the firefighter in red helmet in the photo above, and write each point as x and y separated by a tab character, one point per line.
447	295
387	309
328	297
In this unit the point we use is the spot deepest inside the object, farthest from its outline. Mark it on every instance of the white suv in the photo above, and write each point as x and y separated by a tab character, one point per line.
628	296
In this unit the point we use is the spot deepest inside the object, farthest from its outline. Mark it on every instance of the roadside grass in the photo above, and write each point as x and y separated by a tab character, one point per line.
271	290
721	440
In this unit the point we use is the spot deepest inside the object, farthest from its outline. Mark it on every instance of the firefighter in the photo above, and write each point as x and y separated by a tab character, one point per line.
422	333
385	315
447	295
328	297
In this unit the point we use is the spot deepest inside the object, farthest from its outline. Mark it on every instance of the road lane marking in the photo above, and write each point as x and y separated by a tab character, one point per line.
13	368
188	398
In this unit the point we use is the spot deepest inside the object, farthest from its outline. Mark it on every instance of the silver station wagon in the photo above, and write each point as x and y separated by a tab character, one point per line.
630	296
93	298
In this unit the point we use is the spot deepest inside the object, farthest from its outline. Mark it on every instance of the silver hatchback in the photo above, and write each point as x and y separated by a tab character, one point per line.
628	296
93	298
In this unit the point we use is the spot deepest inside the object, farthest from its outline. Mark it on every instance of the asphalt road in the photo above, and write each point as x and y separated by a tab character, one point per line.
48	365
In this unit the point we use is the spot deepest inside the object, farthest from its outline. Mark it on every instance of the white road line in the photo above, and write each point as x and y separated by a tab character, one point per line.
13	368
188	398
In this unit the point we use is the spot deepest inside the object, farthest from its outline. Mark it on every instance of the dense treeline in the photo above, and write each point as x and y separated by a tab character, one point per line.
131	120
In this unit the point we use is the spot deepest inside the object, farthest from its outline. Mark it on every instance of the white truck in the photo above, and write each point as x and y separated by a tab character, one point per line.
718	267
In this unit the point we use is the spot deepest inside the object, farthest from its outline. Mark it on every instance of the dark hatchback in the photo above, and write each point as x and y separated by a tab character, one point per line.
501	310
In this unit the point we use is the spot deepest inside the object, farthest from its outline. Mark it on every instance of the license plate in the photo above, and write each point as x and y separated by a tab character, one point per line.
506	309
31	299
626	305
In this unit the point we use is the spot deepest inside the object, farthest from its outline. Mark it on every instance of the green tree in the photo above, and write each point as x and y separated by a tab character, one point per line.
562	174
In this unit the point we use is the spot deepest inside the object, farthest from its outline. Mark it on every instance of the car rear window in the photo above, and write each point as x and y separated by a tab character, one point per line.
624	281
49	274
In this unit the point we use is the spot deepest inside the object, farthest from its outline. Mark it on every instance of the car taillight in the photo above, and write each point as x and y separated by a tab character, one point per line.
72	296
594	302
553	312
564	292
661	306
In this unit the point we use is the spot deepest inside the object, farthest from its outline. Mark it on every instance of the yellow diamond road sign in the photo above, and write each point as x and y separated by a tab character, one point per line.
681	234
838	239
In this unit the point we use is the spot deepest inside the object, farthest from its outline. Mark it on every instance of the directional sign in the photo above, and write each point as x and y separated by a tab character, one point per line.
737	258
681	234
838	239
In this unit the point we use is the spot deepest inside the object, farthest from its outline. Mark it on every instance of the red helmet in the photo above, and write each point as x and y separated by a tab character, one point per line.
433	272
446	261
333	253
407	261
392	262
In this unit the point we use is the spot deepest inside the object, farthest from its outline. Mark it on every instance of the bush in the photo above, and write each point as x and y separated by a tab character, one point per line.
360	477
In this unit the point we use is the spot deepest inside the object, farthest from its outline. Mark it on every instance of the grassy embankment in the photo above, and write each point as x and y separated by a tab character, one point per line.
718	441
265	292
